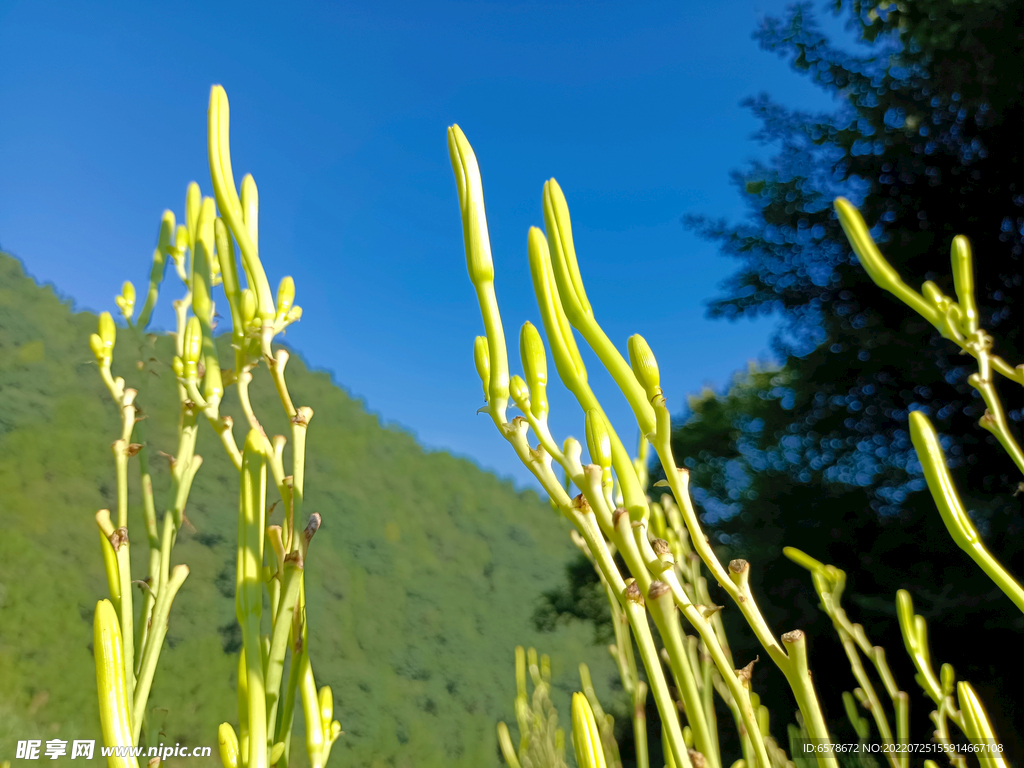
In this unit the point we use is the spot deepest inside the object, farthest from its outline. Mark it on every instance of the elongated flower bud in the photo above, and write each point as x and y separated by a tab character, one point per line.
326	699
227	741
231	208
520	393
935	296
586	738
285	296
940	483
181	242
202	256
251	208
480	266
193	203
193	345
229	270
563	344
276	752
471	201
563	254
111	685
248	307
126	301
645	367
107	330
979	728
874	263
598	440
165	240
535	364
507	750
947	677
99	349
483	362
963	281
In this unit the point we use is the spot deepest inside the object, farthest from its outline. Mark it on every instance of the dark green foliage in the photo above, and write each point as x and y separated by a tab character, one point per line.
818	455
420	582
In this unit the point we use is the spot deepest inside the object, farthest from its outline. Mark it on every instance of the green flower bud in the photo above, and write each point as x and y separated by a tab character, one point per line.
126	301
276	752
178	367
932	293
193	344
294	314
598	440
202	276
248	308
285	296
251	208
860	238
99	349
471	201
193	203
645	367
107	330
111	683
940	483
563	344
520	393
213	384
228	743
586	738
483	362
860	724
563	254
874	263
963	281
181	243
231	208
535	363
977	725
165	241
948	679
326	699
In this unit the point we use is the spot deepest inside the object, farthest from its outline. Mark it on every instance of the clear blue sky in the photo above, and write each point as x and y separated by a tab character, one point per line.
339	110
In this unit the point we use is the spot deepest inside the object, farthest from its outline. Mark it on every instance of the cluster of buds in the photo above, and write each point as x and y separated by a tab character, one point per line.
612	513
203	252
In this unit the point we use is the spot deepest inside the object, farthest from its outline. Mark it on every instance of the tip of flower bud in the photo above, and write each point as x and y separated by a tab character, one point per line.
285	296
107	329
644	365
520	393
126	301
192	347
99	349
248	307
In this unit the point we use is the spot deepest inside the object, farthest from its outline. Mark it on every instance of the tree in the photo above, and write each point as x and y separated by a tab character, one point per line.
927	144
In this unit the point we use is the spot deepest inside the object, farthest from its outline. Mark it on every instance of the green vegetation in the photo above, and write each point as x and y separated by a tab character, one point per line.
427	569
651	556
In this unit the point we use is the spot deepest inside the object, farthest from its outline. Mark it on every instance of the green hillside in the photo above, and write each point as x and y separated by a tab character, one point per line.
421	581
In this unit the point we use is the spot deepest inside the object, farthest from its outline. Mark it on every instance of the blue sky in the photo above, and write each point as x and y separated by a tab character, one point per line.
339	110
